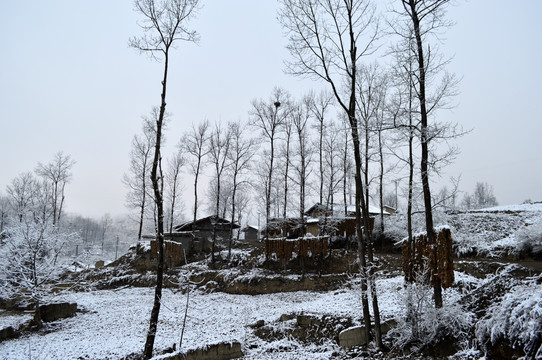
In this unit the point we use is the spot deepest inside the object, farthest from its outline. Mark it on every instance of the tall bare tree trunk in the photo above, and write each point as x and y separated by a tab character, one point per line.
410	248
431	236
156	178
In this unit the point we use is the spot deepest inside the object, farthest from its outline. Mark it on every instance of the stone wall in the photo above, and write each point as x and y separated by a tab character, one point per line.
52	312
220	351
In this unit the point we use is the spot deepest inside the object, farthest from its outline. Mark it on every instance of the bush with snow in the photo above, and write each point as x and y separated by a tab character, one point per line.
31	259
529	239
516	318
420	324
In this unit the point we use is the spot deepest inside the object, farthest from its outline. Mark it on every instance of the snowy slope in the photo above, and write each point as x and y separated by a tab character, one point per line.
114	322
493	232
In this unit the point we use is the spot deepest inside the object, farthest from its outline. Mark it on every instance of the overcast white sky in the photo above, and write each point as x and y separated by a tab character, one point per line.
69	82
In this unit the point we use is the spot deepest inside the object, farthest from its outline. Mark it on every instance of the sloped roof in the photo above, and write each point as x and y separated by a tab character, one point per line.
220	221
249	227
338	209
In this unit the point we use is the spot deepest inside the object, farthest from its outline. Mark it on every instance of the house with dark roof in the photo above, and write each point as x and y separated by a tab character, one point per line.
204	228
336	219
193	237
251	232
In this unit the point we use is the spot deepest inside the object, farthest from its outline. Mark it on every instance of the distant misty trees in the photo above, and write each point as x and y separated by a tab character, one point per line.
39	195
481	197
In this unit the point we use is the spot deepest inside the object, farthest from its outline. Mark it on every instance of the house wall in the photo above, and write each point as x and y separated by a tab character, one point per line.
312	228
251	234
203	239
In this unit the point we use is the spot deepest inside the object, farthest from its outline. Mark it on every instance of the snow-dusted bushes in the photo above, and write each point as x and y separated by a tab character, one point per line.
529	239
516	318
31	258
420	324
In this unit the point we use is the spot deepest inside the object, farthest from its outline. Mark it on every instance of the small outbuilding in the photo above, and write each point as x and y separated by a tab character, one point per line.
251	232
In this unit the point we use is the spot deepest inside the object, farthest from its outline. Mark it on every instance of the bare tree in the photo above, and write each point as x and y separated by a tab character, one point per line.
268	116
346	167
22	194
58	174
136	180
334	175
4	211
372	106
242	150
194	144
219	148
106	223
286	153
164	23
425	19
327	39
300	117
403	109
367	108
482	197
319	106
175	165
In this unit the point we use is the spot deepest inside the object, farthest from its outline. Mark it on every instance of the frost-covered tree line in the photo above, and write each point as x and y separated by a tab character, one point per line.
37	199
287	154
39	239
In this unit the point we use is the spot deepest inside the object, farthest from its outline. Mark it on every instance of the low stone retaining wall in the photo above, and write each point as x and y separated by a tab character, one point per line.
220	351
52	312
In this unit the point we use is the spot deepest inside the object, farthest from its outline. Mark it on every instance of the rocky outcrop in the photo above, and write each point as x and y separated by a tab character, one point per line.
220	351
354	336
9	333
52	312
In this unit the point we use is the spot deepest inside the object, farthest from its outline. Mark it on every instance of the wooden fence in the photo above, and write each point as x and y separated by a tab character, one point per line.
423	261
303	247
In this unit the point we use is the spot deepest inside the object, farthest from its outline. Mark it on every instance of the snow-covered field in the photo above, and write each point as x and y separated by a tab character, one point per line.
498	231
114	323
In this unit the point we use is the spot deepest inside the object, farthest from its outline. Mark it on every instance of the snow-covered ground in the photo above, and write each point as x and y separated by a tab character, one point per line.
114	322
497	231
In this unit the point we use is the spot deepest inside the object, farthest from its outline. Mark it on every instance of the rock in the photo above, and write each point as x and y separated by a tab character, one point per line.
52	312
285	317
304	321
387	326
354	336
8	333
257	324
221	351
99	264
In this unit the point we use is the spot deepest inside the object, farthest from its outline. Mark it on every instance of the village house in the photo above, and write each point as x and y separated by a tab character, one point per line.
193	238
250	233
334	220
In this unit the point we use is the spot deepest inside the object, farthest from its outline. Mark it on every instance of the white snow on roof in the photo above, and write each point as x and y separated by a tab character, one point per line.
352	208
